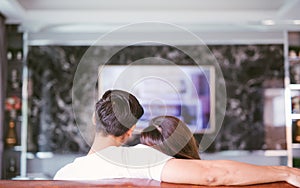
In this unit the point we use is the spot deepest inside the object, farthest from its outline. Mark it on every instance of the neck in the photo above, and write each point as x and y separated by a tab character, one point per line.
101	142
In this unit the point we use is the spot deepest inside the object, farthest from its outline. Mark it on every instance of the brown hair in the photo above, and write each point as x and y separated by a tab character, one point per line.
116	112
171	136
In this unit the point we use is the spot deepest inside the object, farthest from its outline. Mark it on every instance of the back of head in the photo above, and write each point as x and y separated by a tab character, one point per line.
171	136
116	112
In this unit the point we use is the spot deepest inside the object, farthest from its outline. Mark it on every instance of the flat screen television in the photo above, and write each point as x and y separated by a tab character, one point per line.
184	91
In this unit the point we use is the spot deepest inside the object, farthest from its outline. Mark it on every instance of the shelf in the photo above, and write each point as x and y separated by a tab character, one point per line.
14	148
294	86
294	59
296	150
295	116
296	145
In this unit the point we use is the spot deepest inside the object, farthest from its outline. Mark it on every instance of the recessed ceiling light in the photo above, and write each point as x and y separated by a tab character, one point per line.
268	22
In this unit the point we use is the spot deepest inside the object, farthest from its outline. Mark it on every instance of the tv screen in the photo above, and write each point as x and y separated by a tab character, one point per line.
186	92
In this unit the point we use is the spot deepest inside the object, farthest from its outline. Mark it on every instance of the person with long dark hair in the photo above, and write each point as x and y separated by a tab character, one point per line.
171	136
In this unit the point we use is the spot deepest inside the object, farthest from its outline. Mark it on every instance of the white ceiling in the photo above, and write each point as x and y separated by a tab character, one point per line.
88	16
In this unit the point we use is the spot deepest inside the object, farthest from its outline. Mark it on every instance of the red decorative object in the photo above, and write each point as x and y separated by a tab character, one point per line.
13	103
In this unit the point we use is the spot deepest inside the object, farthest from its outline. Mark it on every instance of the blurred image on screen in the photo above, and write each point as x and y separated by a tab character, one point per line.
186	92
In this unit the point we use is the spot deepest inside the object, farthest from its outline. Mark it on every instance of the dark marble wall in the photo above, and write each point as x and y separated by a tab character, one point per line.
247	69
51	119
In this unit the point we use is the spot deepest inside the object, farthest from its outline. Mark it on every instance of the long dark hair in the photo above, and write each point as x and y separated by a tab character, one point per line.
171	136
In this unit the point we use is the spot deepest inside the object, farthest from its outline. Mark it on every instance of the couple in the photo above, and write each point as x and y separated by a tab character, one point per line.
116	114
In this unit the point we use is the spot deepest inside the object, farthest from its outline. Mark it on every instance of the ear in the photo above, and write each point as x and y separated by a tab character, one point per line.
130	131
94	119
